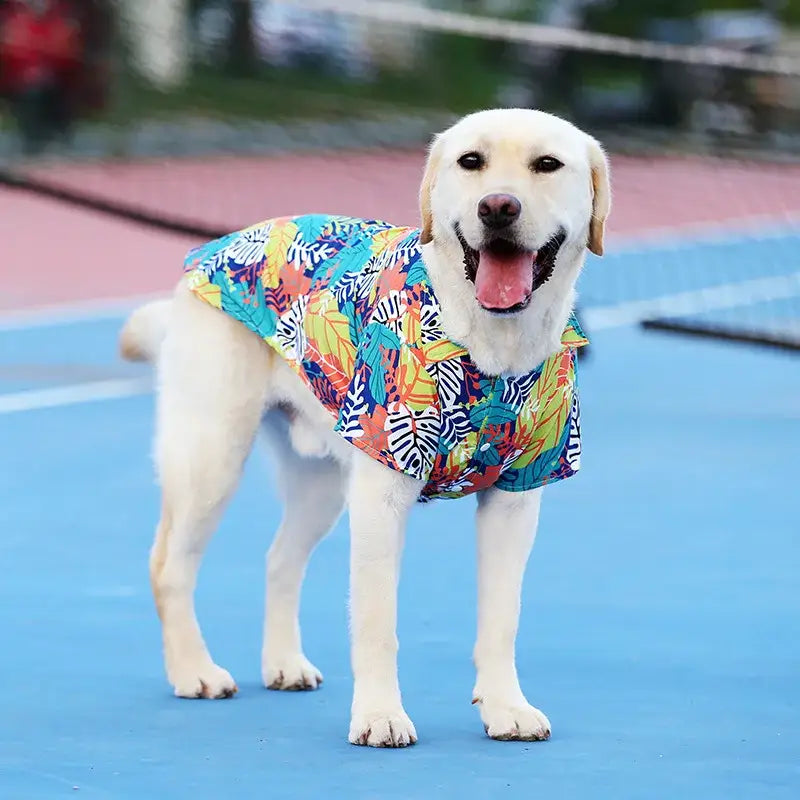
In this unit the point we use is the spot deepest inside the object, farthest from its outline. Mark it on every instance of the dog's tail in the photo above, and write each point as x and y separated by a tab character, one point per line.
144	331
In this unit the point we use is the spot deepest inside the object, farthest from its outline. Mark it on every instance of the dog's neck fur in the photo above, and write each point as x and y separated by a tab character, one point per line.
499	345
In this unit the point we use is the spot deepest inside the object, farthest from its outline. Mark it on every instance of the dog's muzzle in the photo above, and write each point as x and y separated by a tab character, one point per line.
506	274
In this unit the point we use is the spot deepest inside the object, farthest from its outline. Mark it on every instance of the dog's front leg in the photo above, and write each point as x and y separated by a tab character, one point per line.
507	523
379	501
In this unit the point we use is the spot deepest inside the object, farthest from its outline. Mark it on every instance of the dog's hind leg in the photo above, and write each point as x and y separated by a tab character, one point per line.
213	380
313	493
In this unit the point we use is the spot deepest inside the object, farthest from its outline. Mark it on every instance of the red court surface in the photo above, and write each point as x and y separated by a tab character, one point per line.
55	254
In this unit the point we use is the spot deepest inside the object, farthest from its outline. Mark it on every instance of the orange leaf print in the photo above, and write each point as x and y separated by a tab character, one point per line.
333	370
415	384
295	283
411	325
372	425
392	279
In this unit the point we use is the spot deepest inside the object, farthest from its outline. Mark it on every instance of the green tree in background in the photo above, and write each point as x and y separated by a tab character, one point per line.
631	17
241	48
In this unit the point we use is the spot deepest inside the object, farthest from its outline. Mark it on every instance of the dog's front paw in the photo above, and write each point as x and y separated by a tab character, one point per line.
382	729
519	722
291	674
208	681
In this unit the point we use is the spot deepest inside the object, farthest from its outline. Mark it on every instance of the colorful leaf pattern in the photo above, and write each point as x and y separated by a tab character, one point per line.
347	302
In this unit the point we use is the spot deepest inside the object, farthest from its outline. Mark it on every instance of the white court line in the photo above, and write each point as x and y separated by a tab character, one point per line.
685	237
73	313
72	395
731	295
727	295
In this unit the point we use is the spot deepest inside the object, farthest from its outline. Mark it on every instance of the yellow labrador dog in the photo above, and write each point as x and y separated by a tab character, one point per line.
510	201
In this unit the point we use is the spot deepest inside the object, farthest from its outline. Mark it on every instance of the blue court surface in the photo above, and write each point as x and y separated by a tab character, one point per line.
661	616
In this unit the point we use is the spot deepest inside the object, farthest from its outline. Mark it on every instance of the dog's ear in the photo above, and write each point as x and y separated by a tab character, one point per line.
431	168
601	194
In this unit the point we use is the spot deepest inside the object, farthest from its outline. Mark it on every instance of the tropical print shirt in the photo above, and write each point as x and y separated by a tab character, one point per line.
349	305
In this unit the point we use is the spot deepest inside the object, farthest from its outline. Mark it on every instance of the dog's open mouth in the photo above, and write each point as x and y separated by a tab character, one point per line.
506	275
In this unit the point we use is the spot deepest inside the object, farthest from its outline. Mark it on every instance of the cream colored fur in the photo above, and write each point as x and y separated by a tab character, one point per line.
216	380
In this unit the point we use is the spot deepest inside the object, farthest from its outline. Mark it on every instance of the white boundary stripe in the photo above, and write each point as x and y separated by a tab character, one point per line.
549	36
72	395
70	313
727	295
685	237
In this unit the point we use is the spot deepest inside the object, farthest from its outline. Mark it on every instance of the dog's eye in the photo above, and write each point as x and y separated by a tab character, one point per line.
546	164
471	161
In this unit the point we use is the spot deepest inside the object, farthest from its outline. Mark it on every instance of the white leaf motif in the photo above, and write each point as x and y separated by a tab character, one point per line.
389	311
516	390
353	407
290	331
449	377
413	437
248	247
574	439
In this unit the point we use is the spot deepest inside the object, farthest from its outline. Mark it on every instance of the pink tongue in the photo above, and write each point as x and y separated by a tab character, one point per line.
504	281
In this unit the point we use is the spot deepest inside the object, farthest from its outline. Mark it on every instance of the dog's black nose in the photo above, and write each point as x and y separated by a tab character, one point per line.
499	210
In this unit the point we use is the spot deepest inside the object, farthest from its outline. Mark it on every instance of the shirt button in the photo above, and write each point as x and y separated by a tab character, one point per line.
484	447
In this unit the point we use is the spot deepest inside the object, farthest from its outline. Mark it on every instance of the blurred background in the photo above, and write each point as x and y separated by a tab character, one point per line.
127	107
697	71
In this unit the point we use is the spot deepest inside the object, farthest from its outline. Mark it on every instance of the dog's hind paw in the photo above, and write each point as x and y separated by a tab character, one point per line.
293	674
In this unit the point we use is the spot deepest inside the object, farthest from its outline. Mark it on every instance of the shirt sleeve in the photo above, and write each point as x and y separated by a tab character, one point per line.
552	431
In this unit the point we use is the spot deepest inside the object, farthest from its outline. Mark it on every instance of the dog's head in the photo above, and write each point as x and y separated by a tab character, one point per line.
512	188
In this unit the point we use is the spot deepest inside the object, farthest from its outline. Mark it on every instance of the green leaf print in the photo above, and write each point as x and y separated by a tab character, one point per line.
349	311
500	414
310	226
377	340
351	258
258	318
417	274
